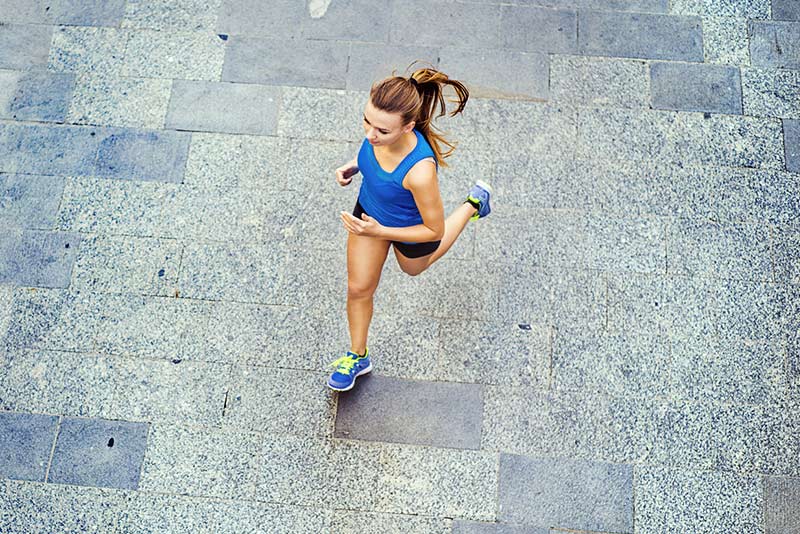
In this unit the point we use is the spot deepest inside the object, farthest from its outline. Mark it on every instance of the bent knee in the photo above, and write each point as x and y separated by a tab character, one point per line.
412	271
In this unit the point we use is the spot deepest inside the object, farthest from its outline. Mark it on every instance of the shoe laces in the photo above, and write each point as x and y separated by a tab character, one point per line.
344	364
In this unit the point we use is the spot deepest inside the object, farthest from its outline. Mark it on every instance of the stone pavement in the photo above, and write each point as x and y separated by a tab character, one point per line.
615	349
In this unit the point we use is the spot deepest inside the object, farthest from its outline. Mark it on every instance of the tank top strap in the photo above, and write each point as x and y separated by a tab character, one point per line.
421	151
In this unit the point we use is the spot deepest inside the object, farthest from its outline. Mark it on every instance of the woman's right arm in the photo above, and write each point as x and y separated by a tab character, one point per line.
345	173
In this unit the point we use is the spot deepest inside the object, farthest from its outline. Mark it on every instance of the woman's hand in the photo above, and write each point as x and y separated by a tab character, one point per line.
366	226
345	173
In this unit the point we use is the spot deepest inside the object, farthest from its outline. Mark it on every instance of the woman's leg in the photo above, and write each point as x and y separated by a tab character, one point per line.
365	259
453	226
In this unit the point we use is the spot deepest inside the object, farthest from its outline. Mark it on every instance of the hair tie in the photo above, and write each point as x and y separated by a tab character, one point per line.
413	81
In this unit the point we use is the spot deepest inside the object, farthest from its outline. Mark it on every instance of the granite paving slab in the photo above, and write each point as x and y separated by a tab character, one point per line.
91	13
725	40
87	50
322	114
749	9
781	514
26	442
598	81
785	10
787	254
771	93
30	201
757	196
171	14
24	46
710	88
113	101
368	62
535	29
348	522
35	96
187	55
774	44
791	140
488	80
35	258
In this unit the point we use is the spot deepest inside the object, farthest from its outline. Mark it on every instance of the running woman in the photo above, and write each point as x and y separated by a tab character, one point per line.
399	203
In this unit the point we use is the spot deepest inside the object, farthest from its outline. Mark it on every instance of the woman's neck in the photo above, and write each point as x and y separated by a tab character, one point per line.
403	145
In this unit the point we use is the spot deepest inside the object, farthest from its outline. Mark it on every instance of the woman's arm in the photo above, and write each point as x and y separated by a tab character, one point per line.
422	181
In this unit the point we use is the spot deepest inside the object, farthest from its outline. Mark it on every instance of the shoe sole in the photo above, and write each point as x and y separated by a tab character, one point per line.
486	186
353	383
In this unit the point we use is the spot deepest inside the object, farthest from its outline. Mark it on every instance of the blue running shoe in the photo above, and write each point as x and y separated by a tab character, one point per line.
479	197
349	367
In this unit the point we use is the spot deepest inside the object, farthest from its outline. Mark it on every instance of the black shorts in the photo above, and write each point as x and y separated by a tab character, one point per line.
409	250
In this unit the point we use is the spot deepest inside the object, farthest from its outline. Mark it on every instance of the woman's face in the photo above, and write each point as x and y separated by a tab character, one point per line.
382	127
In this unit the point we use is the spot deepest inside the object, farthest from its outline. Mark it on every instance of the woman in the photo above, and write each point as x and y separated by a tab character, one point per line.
399	202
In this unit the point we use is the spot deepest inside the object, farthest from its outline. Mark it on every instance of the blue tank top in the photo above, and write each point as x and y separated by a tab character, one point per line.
382	194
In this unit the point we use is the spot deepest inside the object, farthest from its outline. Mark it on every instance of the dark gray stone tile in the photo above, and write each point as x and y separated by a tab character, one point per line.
472	527
785	10
24	47
348	20
566	493
97	452
775	44
35	96
42	259
535	29
635	35
370	62
25	444
223	107
280	19
688	87
485	72
143	155
88	12
421	23
302	63
31	12
404	411
781	510
35	149
30	201
791	142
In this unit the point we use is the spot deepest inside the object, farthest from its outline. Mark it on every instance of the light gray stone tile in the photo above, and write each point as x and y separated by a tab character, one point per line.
637	303
696	501
212	462
298	402
87	50
749	309
634	35
786	250
725	40
31	12
757	196
110	101
236	517
321	114
117	264
414	22
698	248
748	9
791	141
223	107
774	44
599	81
24	46
153	512
187	55
400	346
171	14
35	96
695	87
437	414
574	494
30	201
771	93
370	62
623	244
348	20
281	19
488	80
347	522
781	514
465	482
6	303
304	63
225	160
535	29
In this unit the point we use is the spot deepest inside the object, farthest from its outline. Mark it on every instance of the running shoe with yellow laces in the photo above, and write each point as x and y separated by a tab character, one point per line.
348	367
479	198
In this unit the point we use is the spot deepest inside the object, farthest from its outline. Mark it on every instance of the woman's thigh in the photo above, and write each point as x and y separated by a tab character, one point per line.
365	259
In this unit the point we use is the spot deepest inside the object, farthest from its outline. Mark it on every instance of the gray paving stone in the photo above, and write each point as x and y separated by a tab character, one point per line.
494	353
488	80
344	20
87	50
740	251
566	493
635	35
744	195
117	264
748	9
725	40
171	14
781	515
750	310
304	63
404	411
280	20
93	13
416	22
785	10
322	114
472	527
296	405
689	87
598	81
535	29
24	47
65	383
37	507
111	101
791	140
211	462
370	62
32	12
230	517
29	201
348	522
6	302
223	107
25	444
222	160
465	482
153	512
695	501
186	55
100	453
774	44
143	155
39	149
35	258
35	96
786	247
771	93
616	364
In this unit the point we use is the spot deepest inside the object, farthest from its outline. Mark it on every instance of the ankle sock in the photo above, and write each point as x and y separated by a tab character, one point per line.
473	203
